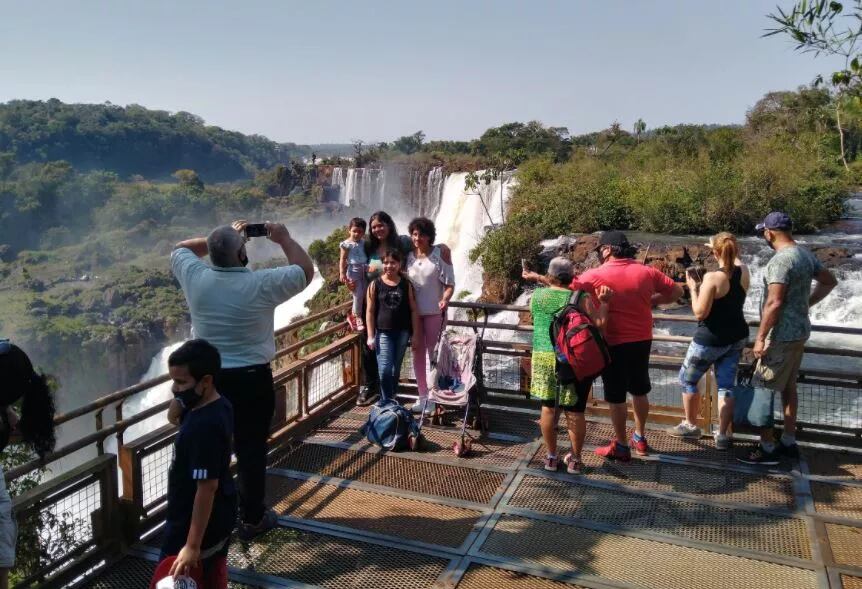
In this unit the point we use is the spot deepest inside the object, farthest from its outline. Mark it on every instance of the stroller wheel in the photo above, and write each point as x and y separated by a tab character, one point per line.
415	442
435	418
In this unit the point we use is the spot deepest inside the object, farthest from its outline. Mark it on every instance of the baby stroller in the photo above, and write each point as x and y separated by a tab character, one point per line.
453	383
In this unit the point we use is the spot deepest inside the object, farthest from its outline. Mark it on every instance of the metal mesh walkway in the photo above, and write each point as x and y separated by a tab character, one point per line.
686	517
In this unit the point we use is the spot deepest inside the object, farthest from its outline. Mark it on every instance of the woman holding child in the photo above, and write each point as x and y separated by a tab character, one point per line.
429	268
382	237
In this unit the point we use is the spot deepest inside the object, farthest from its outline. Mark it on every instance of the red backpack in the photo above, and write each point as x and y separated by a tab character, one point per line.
578	343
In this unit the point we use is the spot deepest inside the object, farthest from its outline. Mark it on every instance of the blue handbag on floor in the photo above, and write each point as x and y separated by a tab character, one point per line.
753	406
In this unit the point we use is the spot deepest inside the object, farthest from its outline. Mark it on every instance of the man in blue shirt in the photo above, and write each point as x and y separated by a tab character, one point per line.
232	308
201	492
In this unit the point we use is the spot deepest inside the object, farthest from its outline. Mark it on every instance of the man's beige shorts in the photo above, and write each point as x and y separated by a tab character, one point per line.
780	366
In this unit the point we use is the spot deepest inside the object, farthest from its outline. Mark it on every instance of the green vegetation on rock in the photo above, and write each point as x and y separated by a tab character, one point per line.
685	179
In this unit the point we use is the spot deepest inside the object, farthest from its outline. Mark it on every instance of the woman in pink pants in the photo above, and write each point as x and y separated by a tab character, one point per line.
430	270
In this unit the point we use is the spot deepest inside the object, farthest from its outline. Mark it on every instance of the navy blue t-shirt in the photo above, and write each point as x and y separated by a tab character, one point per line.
201	452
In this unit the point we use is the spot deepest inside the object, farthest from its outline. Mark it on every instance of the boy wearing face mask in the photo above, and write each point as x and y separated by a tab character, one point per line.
202	498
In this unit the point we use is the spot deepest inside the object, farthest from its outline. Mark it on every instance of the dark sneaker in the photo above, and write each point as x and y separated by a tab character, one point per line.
758	456
573	465
791	451
366	396
640	446
551	463
248	532
615	451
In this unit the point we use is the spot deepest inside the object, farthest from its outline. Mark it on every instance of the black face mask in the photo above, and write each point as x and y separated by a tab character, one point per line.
188	397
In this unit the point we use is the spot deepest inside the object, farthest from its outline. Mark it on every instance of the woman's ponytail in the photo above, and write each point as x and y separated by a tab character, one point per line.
37	415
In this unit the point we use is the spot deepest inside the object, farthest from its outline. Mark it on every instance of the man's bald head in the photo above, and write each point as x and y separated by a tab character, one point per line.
224	244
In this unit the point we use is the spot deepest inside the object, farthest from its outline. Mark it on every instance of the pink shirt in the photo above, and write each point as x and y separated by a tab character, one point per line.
630	309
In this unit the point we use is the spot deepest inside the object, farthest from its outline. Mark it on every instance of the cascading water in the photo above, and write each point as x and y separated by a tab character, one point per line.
338	182
462	220
403	191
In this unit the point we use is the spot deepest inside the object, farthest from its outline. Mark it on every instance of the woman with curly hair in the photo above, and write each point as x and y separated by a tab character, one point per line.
19	382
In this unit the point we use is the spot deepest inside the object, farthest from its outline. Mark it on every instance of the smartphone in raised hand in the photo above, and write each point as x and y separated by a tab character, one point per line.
256	230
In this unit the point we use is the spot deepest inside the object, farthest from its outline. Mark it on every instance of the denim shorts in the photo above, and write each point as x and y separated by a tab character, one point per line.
8	528
699	358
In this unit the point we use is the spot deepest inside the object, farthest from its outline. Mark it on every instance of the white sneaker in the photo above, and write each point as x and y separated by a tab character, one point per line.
722	442
417	406
684	430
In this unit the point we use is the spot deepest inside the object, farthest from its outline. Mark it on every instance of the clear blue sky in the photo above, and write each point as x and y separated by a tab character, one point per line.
324	71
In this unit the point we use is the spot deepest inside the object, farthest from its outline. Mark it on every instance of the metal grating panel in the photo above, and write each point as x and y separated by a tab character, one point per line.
401	473
154	474
705	523
485	577
721	485
437	442
846	543
833	463
317	559
644	563
130	573
839	500
374	512
848	582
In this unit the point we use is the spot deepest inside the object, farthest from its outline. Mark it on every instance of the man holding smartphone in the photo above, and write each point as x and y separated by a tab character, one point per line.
232	307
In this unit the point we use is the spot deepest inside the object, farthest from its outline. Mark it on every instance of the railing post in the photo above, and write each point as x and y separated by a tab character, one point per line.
302	390
100	445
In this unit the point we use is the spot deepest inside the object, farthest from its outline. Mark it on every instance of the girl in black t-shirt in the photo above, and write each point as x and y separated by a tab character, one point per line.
391	316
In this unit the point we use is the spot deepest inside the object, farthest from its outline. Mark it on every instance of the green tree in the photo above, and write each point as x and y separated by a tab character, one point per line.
409	144
639	128
826	28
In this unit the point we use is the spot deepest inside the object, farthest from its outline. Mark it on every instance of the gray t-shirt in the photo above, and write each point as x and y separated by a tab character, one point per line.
796	267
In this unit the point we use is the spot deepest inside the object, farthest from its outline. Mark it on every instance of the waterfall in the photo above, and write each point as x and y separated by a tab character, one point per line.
462	221
433	194
338	181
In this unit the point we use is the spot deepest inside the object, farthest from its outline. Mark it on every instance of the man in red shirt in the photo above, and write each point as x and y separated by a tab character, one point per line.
637	288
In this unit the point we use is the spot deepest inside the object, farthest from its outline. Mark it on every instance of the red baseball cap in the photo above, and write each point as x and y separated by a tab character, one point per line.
195	580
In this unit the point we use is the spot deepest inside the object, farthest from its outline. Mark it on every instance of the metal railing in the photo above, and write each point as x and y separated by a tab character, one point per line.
80	518
830	399
73	520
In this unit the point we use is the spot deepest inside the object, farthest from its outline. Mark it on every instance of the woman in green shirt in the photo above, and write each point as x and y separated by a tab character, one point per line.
572	398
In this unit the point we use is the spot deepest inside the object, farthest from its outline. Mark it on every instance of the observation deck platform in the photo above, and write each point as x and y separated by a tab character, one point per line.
687	516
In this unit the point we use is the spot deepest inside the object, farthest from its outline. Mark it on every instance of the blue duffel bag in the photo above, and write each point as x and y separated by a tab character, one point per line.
390	426
753	406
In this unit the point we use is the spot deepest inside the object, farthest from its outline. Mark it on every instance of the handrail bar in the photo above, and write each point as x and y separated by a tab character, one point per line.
103	402
293	325
656	316
97	436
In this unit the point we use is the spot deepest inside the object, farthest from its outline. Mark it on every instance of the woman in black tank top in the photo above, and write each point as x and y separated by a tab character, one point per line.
717	301
391	316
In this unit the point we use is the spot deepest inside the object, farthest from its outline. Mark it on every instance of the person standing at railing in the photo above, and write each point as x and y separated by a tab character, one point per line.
545	303
232	308
201	510
382	237
429	268
637	288
784	328
717	300
19	382
352	263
